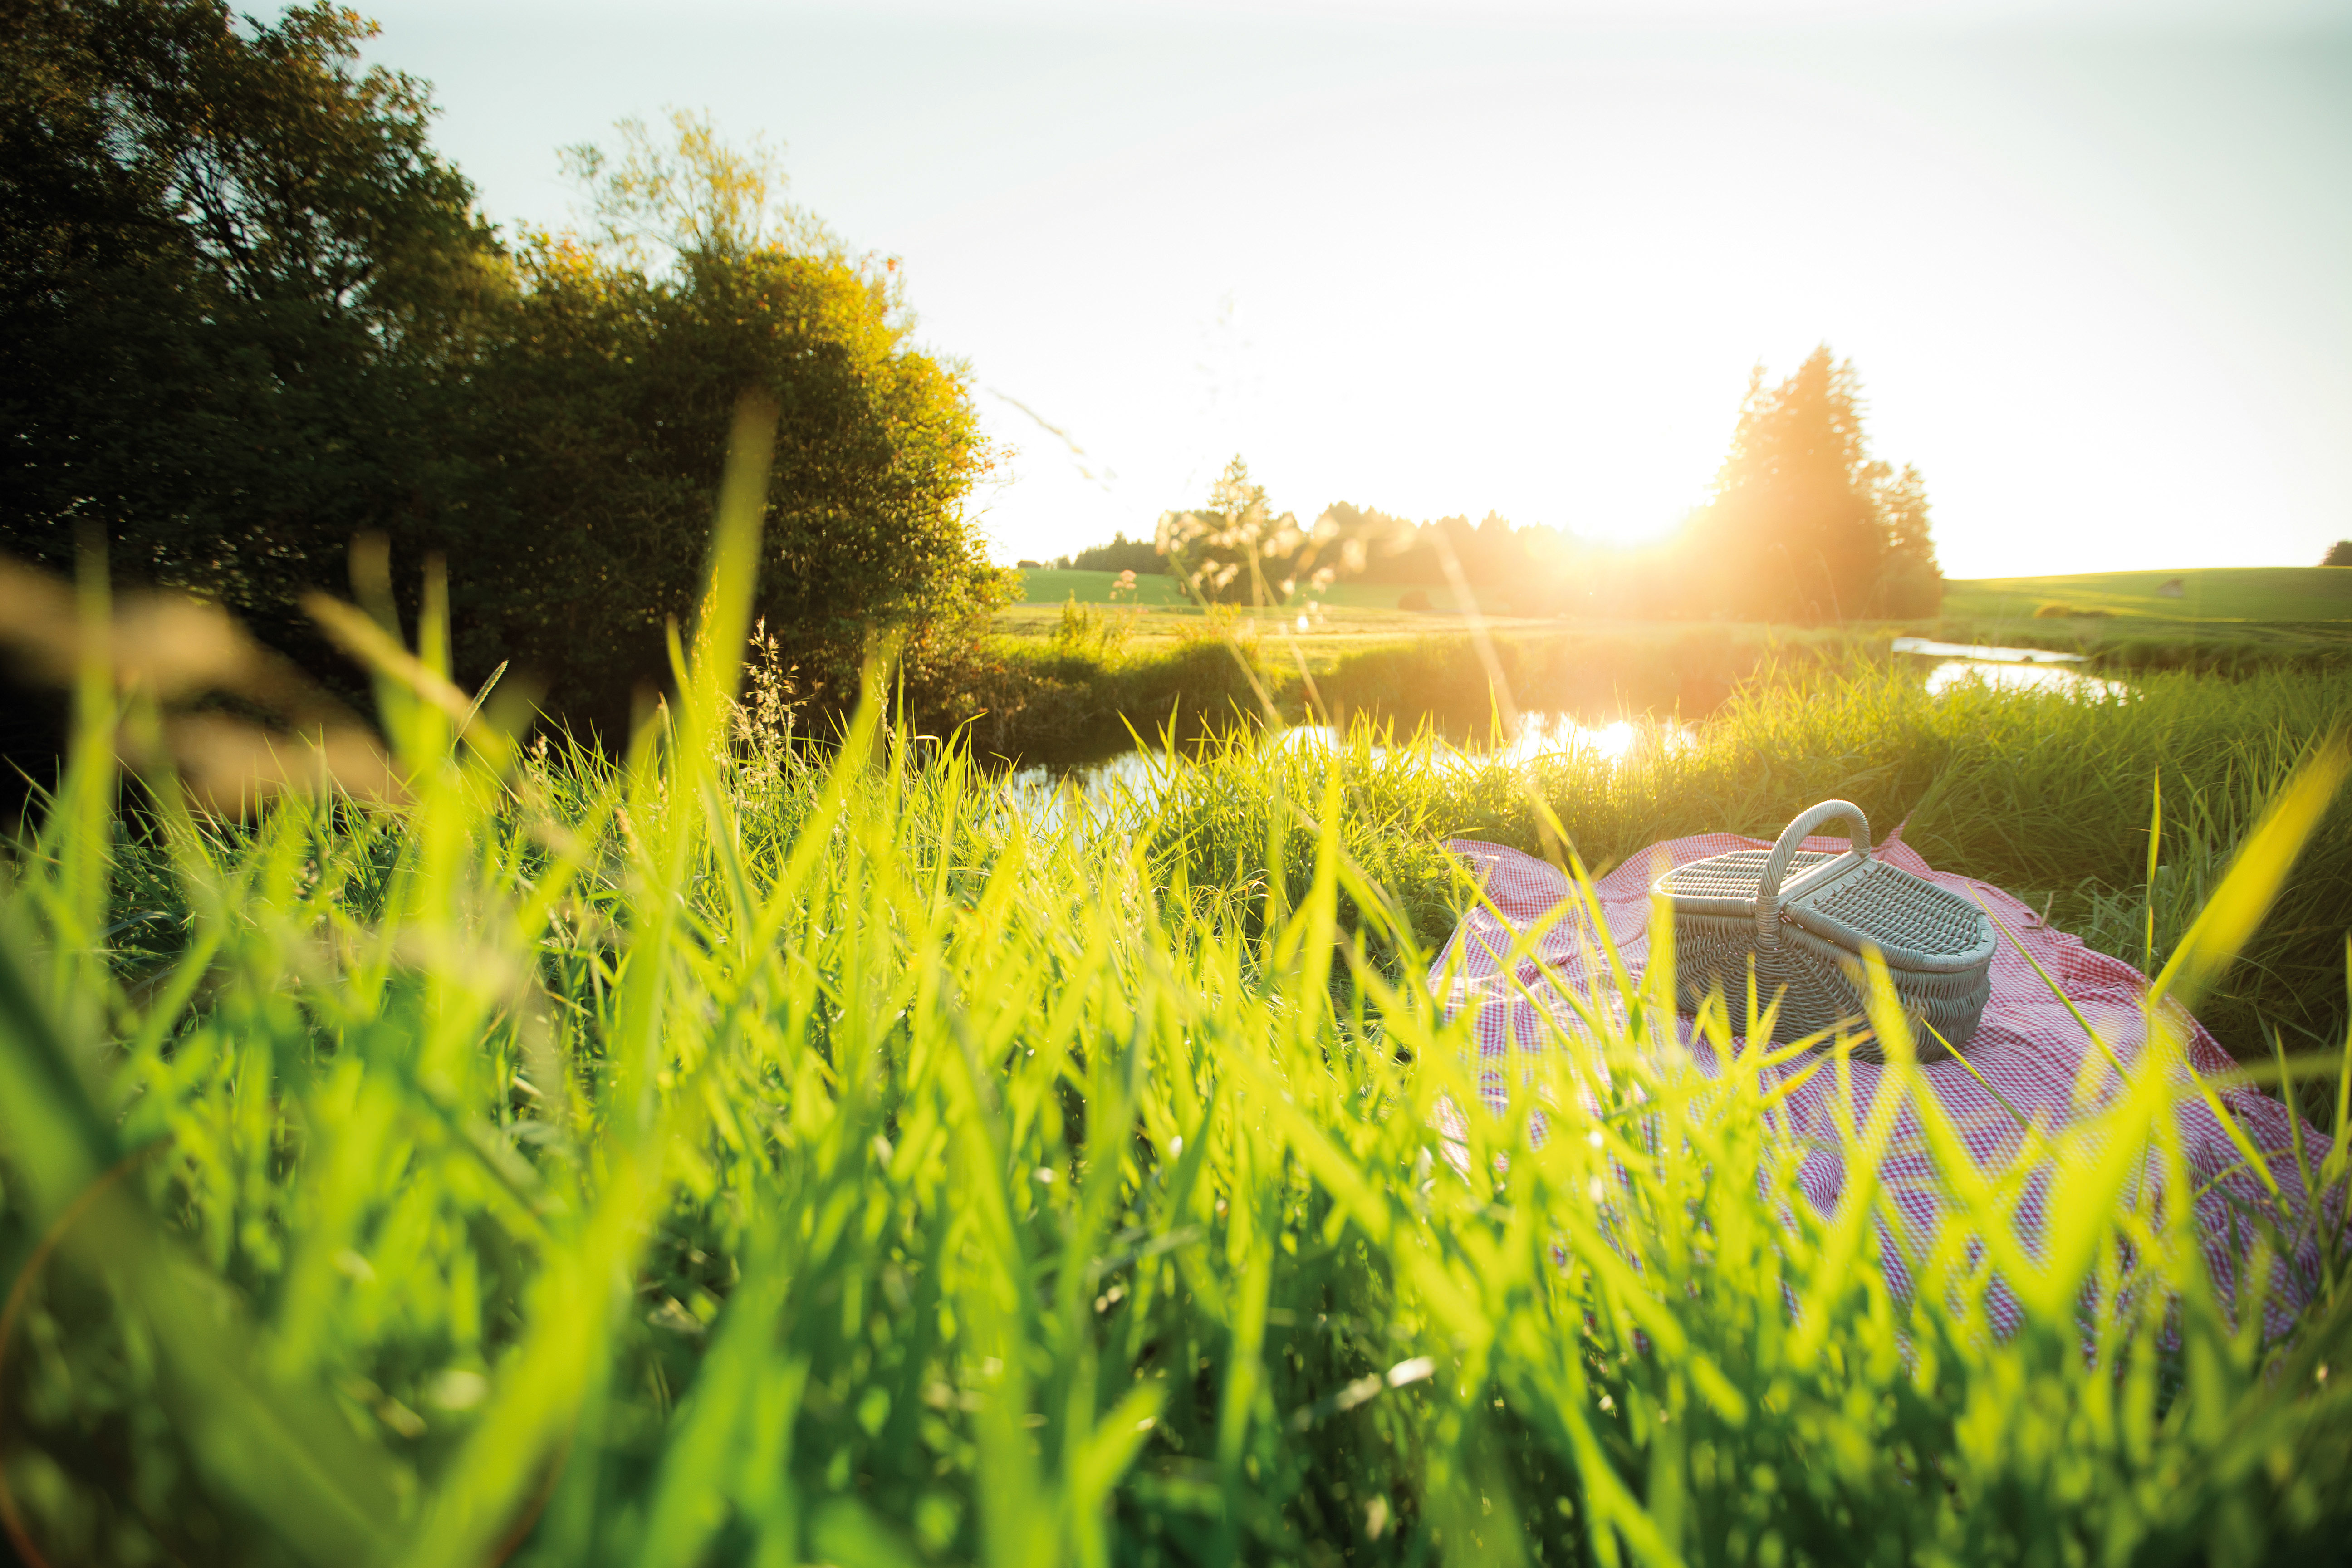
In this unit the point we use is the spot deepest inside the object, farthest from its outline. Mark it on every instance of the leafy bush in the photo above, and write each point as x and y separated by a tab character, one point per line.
1086	630
247	314
605	414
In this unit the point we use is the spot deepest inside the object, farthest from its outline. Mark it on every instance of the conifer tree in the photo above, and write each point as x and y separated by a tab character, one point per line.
1805	525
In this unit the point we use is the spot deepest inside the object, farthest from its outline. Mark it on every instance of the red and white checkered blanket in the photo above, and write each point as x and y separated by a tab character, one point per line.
2029	1048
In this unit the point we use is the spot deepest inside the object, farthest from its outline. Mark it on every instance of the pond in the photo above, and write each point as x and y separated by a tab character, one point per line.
1981	653
1954	672
1616	740
2007	668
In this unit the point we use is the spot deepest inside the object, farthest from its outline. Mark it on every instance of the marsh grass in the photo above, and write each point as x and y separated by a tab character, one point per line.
1087	690
2048	796
752	1149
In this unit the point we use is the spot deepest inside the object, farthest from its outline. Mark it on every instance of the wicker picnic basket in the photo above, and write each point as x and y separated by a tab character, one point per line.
1803	917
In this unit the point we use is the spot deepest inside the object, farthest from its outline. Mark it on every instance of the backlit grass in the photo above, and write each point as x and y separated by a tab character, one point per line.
2249	594
756	1152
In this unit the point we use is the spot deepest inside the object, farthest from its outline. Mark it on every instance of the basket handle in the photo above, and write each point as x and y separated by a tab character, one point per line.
1784	849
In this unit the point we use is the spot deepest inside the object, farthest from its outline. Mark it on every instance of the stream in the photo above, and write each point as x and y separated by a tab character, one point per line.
1044	788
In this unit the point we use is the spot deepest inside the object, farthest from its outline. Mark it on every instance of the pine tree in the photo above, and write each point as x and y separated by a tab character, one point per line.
1909	581
1805	525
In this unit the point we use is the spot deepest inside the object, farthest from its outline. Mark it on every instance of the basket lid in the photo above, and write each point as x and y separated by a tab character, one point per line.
1848	897
1723	885
1914	924
1726	884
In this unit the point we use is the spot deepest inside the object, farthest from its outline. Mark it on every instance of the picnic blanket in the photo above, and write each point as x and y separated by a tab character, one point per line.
2028	1048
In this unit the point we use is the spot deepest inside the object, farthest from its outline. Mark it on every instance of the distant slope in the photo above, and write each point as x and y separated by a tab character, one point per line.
1047	586
2251	595
2247	596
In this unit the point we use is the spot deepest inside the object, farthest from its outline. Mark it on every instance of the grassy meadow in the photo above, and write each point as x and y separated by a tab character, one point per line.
1088	674
1158	610
1084	673
2272	595
709	1070
2222	620
2289	596
759	1149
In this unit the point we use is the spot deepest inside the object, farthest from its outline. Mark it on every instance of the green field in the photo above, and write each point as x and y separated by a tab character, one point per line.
784	1152
2226	620
1050	587
2249	595
2254	595
1071	686
1161	618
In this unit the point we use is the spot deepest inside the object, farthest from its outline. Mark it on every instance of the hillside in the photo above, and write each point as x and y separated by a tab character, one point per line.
1047	585
2252	595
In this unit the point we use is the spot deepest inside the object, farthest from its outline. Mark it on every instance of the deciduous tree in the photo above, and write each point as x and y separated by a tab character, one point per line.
238	294
603	414
247	313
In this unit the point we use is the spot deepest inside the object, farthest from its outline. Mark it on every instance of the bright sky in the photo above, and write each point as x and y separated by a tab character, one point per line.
2093	261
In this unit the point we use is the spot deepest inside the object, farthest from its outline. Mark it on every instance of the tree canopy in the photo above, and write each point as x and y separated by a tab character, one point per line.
1804	523
1121	554
238	290
247	314
603	412
1237	549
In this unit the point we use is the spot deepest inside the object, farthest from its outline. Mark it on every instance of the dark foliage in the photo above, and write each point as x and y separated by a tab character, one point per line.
247	314
1121	554
603	417
238	291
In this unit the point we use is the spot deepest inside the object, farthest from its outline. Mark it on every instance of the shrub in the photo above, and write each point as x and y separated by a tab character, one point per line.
1085	629
604	415
247	312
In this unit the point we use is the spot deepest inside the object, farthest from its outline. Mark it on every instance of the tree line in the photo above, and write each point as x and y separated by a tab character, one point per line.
249	314
1804	525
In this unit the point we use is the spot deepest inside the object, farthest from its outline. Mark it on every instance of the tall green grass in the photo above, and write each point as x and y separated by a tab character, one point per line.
2046	795
1083	695
747	1151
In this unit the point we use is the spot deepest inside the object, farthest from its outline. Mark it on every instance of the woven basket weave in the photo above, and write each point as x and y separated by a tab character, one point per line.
1803	919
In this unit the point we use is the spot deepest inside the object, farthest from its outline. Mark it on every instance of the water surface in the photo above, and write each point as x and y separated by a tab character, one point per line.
2007	668
1955	672
1618	741
1043	789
